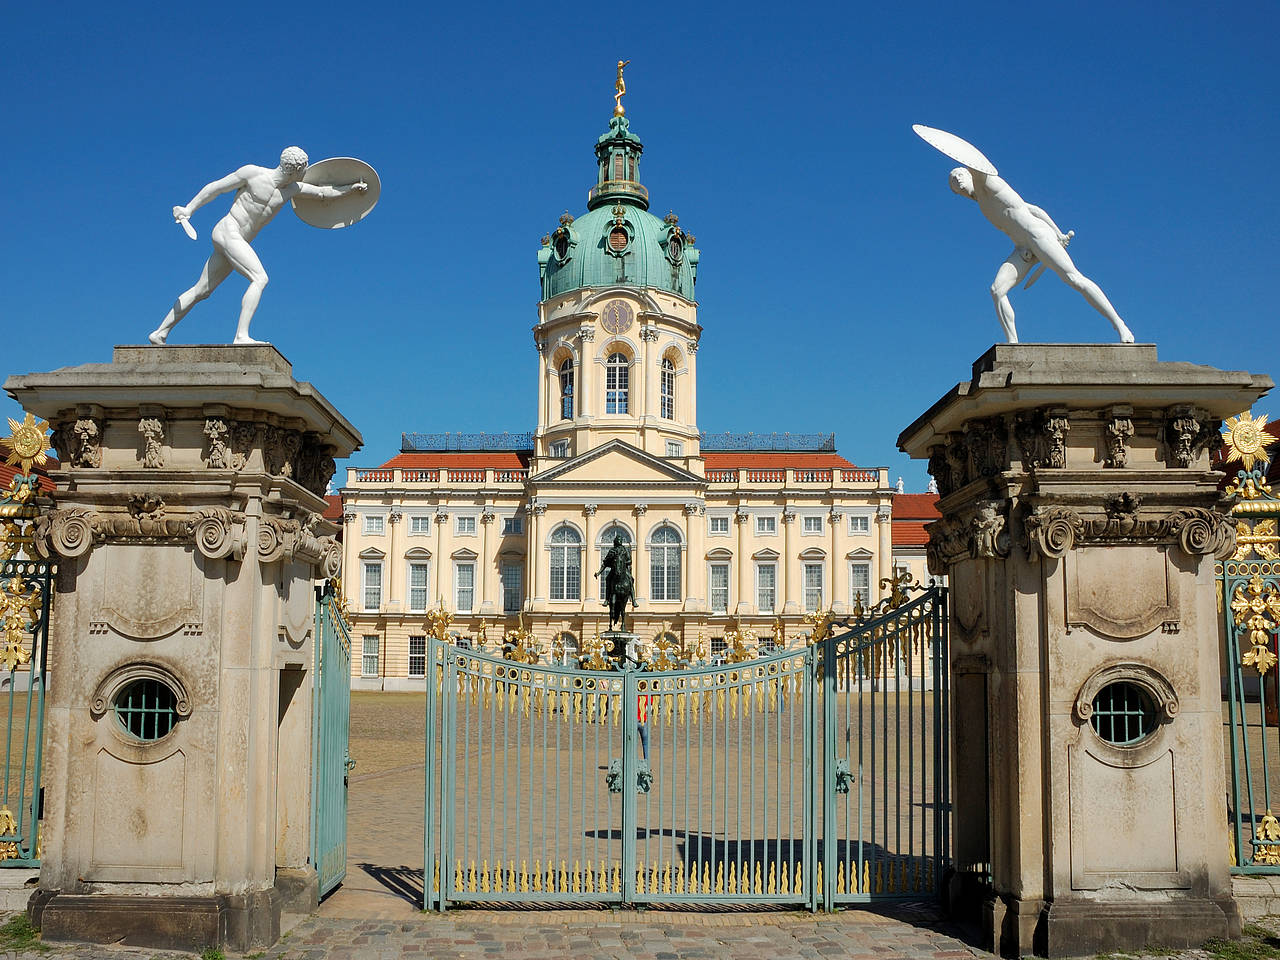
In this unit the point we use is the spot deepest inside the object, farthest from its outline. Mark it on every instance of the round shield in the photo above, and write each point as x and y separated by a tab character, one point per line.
962	151
340	211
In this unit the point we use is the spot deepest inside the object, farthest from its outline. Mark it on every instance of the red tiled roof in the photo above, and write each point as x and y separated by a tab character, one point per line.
909	533
333	507
503	459
729	459
915	506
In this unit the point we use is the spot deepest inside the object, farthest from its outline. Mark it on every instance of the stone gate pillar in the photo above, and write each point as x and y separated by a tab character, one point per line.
1079	532
178	742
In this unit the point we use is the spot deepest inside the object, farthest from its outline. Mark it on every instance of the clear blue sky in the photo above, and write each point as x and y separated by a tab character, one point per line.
842	286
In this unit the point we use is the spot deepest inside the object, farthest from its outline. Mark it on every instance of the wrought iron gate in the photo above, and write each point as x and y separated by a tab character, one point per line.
331	717
810	777
1249	601
26	593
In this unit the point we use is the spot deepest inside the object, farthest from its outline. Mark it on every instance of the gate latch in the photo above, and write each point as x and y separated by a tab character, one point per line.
613	779
844	776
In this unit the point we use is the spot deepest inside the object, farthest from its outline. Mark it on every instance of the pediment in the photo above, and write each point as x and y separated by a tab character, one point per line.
768	553
862	553
616	462
719	553
464	554
371	553
814	553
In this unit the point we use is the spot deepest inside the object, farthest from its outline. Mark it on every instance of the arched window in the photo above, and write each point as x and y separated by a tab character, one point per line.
566	564
668	389
605	543
664	564
617	379
566	389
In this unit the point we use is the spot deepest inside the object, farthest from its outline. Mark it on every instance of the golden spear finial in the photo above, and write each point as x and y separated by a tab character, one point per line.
620	86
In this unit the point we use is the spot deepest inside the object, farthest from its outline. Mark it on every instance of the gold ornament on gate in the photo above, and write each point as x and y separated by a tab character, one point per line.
1246	440
27	443
1256	608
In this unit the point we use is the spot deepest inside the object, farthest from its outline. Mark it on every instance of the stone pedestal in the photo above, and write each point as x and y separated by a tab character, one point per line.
189	535
620	644
1079	533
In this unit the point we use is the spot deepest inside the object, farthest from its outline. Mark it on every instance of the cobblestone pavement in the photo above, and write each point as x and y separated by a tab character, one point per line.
911	933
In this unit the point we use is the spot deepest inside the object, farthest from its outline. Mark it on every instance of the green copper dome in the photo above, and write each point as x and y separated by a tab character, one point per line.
617	240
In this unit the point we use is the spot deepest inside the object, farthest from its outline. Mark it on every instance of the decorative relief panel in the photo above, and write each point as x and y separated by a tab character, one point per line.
1054	531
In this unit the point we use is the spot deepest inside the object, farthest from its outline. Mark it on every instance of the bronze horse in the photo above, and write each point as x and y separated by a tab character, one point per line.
619	587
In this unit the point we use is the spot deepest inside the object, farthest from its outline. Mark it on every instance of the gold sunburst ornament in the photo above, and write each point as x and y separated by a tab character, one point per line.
27	443
1246	439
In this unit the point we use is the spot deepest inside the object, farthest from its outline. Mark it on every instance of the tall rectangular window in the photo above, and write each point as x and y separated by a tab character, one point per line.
617	387
372	586
812	587
718	587
374	524
417	656
419	525
418	598
512	587
675	448
766	587
464	580
860	583
369	655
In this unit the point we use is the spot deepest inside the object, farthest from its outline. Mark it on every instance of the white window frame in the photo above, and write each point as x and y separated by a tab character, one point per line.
419	525
772	565
565	374
859	524
728	585
675	448
513	526
374	525
464	525
665	589
809	567
570	591
667	390
421	672
853	588
458	566
425	564
558	450
506	586
617	397
711	526
365	655
366	566
813	525
766	525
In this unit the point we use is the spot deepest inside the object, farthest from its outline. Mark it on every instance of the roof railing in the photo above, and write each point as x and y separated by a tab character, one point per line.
461	442
769	442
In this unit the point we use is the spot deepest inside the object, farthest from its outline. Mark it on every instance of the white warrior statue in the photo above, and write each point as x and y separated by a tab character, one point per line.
260	193
1036	238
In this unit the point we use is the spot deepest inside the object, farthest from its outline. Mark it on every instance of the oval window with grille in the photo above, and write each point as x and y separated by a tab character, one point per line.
618	239
146	709
1124	714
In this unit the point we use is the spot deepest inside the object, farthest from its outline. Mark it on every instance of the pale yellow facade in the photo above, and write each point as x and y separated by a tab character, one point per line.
753	539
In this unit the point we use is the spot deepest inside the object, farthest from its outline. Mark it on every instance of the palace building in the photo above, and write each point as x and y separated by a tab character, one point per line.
726	531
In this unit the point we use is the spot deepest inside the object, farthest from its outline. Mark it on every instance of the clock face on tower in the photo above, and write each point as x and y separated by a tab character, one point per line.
616	317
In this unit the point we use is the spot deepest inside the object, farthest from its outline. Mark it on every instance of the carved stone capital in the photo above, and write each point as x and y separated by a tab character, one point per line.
350	517
982	531
217	454
1119	431
395	515
1188	432
539	509
742	516
1055	531
641	509
219	532
692	346
649	333
789	516
587	333
693	509
152	453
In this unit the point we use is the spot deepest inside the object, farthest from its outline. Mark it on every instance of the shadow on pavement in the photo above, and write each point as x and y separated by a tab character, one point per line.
404	882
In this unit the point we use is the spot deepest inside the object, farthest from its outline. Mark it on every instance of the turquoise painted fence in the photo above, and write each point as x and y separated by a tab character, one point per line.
1249	600
810	777
331	716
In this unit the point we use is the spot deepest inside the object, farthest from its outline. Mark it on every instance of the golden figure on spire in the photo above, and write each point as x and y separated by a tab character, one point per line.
620	86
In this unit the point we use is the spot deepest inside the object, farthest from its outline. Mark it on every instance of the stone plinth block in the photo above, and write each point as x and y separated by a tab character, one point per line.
189	534
1079	531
